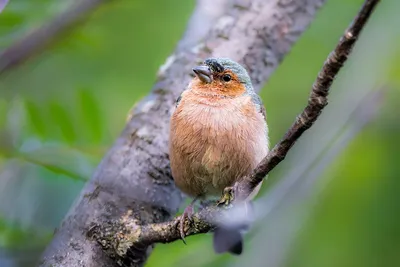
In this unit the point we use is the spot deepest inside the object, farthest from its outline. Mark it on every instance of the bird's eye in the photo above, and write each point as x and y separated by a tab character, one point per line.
226	78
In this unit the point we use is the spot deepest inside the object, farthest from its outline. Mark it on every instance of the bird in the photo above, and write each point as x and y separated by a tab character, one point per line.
218	134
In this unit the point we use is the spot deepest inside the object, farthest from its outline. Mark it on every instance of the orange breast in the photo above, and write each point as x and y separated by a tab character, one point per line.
215	141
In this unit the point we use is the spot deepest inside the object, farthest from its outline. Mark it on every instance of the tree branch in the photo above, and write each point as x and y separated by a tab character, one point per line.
317	101
133	181
38	39
3	4
119	235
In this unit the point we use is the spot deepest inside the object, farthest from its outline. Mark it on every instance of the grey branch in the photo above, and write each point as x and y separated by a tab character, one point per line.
3	4
117	236
38	39
133	183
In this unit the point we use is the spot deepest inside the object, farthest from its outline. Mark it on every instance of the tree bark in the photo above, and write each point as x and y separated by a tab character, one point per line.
117	236
134	178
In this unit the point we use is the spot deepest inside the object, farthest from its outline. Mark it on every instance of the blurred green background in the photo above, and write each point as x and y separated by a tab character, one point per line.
61	111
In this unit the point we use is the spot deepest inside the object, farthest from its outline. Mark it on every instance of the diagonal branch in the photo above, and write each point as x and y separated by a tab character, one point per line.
317	101
300	189
134	176
118	235
38	39
3	4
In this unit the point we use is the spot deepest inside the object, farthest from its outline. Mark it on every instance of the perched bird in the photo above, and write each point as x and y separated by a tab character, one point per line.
218	134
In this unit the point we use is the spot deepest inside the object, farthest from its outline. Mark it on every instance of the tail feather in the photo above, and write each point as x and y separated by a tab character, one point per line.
228	240
228	237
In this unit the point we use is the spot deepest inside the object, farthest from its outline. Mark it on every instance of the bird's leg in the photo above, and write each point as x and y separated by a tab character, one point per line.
187	213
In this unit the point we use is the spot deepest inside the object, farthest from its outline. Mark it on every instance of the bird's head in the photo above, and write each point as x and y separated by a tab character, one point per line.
221	76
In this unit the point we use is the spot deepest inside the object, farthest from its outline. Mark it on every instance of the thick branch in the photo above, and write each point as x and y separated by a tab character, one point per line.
38	39
121	234
135	175
124	233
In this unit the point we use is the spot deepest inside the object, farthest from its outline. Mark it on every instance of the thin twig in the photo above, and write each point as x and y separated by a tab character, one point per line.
303	187
38	39
136	235
317	101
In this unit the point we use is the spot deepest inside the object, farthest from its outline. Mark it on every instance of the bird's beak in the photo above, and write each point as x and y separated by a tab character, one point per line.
204	73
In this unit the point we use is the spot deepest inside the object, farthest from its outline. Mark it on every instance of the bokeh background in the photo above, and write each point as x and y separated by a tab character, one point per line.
334	201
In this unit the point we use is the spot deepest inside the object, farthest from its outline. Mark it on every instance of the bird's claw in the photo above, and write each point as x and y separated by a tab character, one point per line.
228	196
187	213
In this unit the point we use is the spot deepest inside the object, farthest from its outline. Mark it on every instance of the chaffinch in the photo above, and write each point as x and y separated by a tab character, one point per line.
218	134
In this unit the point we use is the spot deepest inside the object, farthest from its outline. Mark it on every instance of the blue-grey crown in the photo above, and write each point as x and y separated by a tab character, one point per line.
220	64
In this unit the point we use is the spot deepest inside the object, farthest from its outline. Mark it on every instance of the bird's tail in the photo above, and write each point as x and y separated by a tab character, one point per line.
228	240
228	236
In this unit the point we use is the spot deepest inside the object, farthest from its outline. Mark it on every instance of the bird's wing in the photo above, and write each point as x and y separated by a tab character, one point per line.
259	104
179	98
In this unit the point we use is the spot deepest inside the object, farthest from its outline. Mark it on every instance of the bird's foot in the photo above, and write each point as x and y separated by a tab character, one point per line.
228	195
187	213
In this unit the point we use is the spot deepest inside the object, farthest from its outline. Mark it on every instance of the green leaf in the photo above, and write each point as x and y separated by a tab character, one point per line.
14	236
90	115
61	160
62	120
35	118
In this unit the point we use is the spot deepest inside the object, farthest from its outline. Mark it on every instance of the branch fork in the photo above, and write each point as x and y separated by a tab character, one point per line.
126	233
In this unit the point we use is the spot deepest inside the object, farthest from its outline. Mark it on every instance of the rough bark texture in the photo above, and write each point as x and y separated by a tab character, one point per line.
133	179
120	234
